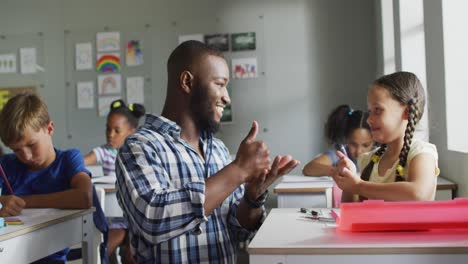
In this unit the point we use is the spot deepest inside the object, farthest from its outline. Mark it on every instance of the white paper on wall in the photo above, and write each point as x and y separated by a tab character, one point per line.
104	104
85	95
84	56
8	63
108	41
135	90
199	37
109	84
28	60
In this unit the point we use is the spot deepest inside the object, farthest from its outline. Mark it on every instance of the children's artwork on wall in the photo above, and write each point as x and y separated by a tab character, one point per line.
107	41
83	56
108	62
104	104
109	84
28	60
244	68
8	63
198	37
243	41
135	90
85	95
227	113
8	92
218	41
133	53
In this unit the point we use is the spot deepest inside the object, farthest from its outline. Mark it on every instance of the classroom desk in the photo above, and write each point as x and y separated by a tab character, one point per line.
111	205
46	231
446	189
300	191
287	238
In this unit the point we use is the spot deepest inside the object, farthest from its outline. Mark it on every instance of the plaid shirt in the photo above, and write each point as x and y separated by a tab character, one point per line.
161	189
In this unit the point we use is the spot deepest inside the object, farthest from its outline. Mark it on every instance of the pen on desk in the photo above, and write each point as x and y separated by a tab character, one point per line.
6	180
312	212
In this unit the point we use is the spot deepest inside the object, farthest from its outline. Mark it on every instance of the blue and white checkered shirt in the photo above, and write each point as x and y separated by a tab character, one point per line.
161	189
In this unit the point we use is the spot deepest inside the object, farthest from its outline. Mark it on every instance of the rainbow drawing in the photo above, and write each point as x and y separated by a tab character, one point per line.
107	41
108	62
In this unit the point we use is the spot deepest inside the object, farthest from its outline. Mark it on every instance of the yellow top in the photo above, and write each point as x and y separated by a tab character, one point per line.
417	147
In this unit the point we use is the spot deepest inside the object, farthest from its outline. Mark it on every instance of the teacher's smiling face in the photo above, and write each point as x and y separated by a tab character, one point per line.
209	93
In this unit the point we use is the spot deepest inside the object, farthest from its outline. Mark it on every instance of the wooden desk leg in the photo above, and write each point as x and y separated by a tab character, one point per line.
89	251
329	197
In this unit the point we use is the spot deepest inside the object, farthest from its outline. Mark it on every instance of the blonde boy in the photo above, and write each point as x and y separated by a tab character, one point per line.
40	175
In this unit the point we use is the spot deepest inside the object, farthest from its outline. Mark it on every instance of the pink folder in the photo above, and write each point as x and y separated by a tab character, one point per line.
375	215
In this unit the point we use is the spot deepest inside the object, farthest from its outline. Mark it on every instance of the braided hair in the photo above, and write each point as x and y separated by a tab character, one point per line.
132	112
405	88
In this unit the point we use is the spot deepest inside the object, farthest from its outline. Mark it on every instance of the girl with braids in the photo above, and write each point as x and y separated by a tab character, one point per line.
344	127
403	168
122	121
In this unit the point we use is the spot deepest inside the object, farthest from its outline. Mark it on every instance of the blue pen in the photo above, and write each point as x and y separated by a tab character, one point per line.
343	150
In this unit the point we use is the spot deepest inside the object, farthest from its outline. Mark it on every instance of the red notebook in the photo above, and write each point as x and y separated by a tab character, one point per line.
373	215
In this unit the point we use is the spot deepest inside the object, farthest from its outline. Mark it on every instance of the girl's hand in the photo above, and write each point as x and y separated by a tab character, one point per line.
345	175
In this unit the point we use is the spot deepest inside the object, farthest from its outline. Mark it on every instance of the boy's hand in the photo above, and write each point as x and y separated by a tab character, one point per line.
11	205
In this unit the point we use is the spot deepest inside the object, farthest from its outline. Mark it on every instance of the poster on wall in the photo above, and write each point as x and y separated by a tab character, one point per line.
83	56
218	41
85	95
8	92
8	63
28	60
107	41
135	90
133	53
243	41
108	62
198	37
244	68
104	103
227	113
109	84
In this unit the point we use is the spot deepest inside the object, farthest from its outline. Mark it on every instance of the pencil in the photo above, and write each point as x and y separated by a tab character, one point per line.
6	180
13	223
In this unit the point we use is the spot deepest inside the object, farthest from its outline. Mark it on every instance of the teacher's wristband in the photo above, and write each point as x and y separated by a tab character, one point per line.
257	203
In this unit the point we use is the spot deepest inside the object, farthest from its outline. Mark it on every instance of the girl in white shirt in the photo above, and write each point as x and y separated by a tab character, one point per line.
402	169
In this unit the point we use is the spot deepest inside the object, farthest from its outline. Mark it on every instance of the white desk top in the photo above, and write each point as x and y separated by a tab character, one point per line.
293	183
286	232
35	219
108	187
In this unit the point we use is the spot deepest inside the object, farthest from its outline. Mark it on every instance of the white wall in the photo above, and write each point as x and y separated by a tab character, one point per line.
315	54
453	165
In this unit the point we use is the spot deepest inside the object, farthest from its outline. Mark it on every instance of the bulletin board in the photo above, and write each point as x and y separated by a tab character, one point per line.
32	75
86	119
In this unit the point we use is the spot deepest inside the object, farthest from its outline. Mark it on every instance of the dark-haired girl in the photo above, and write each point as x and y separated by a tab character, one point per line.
122	121
345	128
402	168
